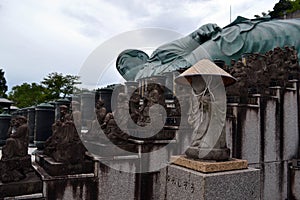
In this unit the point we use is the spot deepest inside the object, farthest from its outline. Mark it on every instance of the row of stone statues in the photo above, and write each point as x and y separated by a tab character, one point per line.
63	146
131	110
257	72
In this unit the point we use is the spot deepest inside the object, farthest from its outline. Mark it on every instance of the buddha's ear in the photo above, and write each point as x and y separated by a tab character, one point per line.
129	62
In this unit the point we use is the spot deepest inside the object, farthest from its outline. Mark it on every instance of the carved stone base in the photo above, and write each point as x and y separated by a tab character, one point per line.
208	154
32	184
15	169
182	183
209	166
57	169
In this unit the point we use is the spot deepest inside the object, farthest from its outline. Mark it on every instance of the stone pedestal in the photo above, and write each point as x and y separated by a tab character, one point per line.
116	184
65	187
58	169
110	150
29	188
181	183
209	166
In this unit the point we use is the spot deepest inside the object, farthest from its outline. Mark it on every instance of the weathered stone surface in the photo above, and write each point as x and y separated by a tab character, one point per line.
15	169
230	132
243	131
160	155
66	187
290	124
271	137
209	166
250	134
274	179
182	183
32	184
295	183
272	183
110	150
115	184
58	169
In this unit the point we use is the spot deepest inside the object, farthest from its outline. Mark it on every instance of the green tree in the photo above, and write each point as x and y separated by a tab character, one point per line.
59	85
280	8
26	95
295	6
3	86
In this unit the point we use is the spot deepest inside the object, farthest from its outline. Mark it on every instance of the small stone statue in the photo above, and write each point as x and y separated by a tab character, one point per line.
116	132
17	143
95	133
154	95
76	113
134	106
65	145
15	162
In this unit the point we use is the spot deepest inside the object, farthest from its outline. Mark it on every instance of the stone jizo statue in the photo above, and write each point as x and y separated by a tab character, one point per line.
207	112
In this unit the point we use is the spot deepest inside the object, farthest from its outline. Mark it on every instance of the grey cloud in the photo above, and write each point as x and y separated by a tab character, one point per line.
91	26
134	8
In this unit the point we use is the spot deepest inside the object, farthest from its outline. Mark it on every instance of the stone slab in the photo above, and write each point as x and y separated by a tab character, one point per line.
116	184
209	166
32	184
110	150
57	169
181	183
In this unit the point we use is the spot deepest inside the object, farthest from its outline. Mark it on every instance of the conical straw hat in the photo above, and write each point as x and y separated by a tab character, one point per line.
202	68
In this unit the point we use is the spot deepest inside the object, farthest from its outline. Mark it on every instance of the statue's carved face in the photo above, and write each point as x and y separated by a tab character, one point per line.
198	84
20	121
154	96
130	62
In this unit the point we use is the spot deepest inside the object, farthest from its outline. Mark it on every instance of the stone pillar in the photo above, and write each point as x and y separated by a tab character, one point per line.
87	109
170	85
4	126
248	128
290	122
271	128
44	118
105	94
31	123
294	177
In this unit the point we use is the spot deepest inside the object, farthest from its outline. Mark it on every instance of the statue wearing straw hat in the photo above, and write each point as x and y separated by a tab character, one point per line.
207	112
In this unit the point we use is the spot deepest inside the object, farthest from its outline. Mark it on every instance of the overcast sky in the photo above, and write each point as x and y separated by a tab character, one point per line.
39	37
